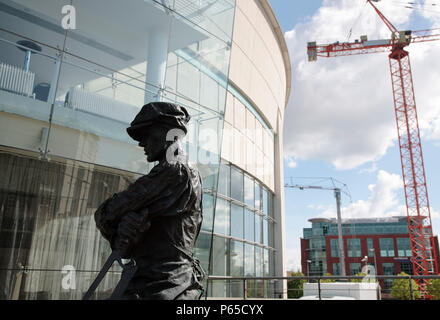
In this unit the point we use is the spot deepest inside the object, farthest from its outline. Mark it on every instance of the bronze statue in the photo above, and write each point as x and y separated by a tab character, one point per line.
157	220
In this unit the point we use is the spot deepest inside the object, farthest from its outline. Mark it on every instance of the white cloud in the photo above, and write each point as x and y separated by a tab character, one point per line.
293	259
341	109
382	202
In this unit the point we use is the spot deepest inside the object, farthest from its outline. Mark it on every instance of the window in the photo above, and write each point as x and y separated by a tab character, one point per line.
249	260
237	184
336	269
257	196
257	228
224	180
354	247
386	247
355	268
265	232
249	191
221	224
406	267
236	221
220	257
388	269
334	248
403	247
265	202
249	225
369	247
237	267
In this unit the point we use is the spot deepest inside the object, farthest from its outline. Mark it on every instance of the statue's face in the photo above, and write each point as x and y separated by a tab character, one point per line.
154	142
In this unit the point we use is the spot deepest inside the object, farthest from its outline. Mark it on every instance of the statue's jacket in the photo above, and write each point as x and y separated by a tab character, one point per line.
172	194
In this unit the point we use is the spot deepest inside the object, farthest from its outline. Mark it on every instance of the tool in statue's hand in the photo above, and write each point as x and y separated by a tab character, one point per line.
130	231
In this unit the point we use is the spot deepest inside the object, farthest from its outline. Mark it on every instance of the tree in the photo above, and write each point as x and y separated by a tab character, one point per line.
401	289
434	288
295	286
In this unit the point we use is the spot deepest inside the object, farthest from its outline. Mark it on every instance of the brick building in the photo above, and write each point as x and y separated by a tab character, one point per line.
384	241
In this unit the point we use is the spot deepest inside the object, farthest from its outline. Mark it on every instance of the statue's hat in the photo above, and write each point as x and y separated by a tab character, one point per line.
170	114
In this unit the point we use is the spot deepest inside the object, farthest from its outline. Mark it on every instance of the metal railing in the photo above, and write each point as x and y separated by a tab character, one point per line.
387	288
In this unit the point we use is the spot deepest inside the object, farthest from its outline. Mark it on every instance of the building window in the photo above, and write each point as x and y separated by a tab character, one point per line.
249	225
336	269
258	228
406	267
355	268
220	257
403	247
386	247
354	247
221	224
370	247
265	202
257	196
334	248
237	184
224	182
388	270
249	191
236	221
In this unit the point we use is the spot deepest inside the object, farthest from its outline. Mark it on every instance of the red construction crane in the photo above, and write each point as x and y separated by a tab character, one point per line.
419	216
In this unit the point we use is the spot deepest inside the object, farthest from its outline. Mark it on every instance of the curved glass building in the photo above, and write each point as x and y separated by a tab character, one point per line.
74	73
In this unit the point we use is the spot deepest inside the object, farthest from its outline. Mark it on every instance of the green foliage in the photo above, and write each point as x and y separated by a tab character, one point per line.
434	288
295	287
327	280
360	274
401	288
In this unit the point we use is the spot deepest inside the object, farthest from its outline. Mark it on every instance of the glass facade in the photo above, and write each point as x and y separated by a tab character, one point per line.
67	97
241	224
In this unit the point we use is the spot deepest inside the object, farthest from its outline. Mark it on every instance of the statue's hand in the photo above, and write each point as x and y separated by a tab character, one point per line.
130	230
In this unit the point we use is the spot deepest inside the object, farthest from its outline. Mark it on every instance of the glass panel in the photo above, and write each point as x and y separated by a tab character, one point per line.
219	263
222	217
266	271
202	248
249	225
354	247
403	247
265	201
386	247
257	196
249	260
355	268
370	246
237	184
271	205
237	256
219	289
236	221
265	232
334	248
336	269
28	75
208	212
224	183
258	224
249	191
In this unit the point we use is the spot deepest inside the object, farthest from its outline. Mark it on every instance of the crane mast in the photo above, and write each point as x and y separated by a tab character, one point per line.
424	261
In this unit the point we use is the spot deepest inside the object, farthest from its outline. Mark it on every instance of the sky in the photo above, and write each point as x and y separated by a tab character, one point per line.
340	120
